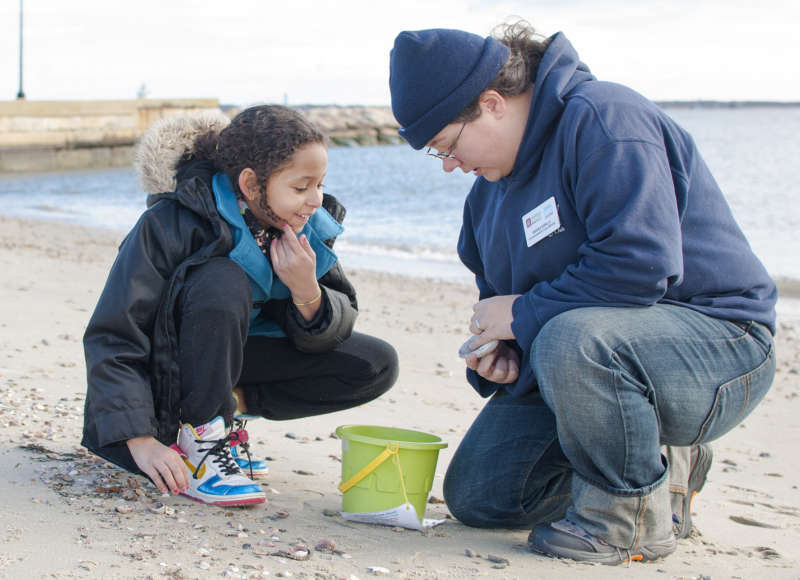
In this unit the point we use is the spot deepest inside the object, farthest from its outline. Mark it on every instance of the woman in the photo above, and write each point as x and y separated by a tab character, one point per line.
629	307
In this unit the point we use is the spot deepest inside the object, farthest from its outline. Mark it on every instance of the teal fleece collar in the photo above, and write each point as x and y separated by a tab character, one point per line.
320	227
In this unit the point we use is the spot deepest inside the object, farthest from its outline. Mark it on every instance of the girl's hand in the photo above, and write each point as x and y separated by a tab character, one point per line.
161	464
499	366
295	263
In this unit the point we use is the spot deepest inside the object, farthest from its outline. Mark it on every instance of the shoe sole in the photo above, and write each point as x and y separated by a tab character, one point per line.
697	480
257	473
228	502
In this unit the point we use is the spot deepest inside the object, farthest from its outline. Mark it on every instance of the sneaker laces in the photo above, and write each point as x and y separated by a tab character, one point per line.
221	455
236	438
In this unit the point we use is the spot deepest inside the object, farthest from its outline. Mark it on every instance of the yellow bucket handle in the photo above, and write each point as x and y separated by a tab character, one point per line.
392	448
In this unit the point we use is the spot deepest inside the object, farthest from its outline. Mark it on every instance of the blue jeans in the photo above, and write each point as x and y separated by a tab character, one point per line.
614	385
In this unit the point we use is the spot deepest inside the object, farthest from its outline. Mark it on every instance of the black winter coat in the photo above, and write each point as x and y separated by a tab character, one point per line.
131	342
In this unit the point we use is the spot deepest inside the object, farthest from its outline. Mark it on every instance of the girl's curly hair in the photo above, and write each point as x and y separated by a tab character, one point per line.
519	72
263	138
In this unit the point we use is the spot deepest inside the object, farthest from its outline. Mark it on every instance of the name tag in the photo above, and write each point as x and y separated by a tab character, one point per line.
541	221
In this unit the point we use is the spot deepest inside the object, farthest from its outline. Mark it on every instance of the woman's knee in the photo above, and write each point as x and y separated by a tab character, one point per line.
568	346
465	497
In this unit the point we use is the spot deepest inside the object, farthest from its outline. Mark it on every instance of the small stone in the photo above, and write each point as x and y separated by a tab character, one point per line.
378	570
325	545
497	559
203	565
469	553
330	513
290	436
123	509
435	500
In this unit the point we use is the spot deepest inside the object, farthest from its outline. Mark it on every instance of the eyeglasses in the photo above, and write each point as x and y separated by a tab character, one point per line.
449	153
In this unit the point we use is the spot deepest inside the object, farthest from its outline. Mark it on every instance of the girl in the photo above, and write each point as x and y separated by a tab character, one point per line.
226	298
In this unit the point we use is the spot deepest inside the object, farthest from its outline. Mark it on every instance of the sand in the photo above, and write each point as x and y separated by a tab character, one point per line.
66	514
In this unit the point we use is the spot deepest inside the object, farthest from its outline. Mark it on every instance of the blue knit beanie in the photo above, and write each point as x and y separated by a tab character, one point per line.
434	74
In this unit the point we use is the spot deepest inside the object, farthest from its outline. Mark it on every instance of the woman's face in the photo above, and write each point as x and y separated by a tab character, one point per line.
488	145
294	192
479	149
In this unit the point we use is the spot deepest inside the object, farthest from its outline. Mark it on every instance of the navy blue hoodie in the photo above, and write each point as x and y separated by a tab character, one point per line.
642	220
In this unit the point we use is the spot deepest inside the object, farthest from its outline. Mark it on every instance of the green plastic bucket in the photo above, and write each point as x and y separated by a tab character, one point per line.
373	459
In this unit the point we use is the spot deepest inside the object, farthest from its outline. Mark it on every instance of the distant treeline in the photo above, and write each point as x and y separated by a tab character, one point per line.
726	104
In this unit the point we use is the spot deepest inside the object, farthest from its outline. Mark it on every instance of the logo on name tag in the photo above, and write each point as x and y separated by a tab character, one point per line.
541	221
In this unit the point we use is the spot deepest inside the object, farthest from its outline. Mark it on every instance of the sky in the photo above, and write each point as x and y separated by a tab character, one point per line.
337	52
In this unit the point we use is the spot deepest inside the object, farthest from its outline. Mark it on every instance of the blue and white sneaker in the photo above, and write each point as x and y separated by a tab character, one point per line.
255	468
215	478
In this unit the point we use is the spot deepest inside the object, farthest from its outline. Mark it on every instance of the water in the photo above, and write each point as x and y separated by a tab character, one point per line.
404	213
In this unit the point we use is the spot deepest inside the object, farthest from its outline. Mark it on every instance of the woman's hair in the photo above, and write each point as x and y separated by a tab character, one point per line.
263	138
518	73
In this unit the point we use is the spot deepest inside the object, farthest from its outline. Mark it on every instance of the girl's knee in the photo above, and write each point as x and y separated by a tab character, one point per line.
376	361
219	285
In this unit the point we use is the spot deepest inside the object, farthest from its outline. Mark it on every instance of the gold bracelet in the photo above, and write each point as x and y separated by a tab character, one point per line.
310	302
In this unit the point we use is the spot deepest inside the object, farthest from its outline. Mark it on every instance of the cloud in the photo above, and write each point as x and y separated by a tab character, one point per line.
247	51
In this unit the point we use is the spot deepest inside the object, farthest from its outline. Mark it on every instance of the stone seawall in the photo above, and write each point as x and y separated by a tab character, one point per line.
356	125
54	135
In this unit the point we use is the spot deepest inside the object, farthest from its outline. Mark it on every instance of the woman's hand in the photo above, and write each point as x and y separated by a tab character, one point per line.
499	366
161	464
295	263
492	318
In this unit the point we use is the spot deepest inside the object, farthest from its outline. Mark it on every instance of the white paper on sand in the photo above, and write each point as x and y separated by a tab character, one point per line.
404	516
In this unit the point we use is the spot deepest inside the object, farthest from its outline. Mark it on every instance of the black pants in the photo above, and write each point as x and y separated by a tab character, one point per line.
279	381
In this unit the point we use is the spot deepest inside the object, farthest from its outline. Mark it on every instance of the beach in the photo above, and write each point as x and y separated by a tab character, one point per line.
67	514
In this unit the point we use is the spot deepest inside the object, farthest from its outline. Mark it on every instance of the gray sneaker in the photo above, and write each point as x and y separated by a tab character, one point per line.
564	539
700	465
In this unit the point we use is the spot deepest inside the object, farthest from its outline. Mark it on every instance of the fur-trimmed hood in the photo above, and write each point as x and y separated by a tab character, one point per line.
165	143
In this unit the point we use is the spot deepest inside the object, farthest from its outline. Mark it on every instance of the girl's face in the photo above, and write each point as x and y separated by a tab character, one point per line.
294	192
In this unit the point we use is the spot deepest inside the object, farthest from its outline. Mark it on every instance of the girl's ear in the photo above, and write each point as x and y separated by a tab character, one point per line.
248	183
493	103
